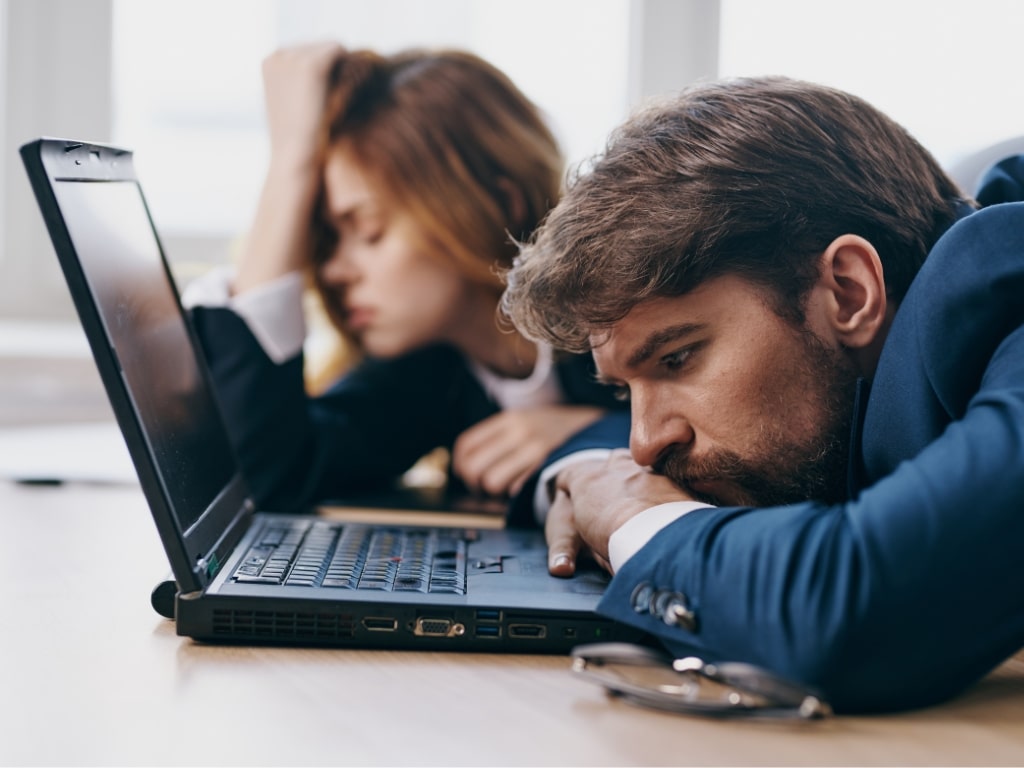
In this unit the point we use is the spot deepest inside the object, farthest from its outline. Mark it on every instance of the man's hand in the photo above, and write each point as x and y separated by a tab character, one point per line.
593	499
497	455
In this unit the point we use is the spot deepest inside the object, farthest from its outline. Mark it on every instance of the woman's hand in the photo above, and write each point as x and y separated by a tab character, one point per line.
295	89
497	455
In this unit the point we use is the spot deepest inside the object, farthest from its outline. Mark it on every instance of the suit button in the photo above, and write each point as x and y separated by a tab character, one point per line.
641	597
659	601
674	609
677	613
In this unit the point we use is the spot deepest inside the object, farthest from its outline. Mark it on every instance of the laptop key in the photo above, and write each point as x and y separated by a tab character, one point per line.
338	583
243	578
379	584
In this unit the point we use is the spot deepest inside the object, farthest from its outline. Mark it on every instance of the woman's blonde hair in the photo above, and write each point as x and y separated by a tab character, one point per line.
451	140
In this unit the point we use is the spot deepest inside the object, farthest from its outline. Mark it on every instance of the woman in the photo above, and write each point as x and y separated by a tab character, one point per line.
399	184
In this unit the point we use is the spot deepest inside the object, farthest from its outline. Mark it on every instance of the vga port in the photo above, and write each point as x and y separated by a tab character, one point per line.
426	626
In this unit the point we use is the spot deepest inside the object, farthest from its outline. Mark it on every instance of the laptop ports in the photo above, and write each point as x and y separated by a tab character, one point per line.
428	627
380	624
534	631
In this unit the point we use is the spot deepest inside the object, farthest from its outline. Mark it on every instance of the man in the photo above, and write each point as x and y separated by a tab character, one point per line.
823	345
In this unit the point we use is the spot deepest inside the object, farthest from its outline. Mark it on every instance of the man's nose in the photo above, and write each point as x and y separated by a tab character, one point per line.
655	429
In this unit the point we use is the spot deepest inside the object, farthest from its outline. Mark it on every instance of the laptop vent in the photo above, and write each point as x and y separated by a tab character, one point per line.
281	625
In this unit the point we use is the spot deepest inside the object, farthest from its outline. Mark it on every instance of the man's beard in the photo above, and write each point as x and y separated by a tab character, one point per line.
781	467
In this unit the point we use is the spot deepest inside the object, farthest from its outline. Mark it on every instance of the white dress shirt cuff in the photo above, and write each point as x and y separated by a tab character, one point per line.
637	531
543	495
272	312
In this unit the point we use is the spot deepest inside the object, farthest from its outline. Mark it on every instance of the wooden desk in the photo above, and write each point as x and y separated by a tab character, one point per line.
90	675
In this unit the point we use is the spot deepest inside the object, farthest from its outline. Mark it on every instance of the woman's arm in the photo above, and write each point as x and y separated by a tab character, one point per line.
279	242
364	431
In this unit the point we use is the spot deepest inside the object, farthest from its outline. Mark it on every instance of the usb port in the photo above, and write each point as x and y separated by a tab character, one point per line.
488	614
488	630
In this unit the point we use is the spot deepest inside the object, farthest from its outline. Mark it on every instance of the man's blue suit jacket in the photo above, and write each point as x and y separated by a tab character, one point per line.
914	588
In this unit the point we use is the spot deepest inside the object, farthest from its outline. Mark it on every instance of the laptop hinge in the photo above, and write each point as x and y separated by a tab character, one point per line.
210	564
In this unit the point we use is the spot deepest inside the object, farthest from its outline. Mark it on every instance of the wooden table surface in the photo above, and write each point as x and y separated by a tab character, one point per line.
89	674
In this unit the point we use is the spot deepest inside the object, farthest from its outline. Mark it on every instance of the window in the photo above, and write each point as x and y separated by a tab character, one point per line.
195	118
945	70
186	93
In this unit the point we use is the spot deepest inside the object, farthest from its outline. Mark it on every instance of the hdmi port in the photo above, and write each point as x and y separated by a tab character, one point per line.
380	624
536	631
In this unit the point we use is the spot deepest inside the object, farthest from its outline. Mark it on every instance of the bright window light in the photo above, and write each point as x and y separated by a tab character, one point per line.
196	122
945	70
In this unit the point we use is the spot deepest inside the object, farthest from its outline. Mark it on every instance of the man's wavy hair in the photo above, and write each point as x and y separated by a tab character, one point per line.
748	177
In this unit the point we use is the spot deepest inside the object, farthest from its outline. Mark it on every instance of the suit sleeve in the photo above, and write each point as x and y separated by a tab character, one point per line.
365	431
914	590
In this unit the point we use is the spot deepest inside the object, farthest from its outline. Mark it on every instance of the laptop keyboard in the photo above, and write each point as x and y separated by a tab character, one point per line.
345	556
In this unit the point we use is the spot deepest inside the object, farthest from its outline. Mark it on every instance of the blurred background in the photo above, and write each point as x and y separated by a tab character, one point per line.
179	82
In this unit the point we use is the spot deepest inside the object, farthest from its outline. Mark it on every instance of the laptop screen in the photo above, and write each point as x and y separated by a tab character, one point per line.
110	227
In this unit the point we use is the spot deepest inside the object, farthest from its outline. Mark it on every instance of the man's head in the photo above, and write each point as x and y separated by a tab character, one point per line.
733	258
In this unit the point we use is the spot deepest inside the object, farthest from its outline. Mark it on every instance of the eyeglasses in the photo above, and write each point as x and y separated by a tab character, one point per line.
689	685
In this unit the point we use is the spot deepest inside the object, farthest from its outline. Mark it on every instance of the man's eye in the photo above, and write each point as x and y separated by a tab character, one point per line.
676	360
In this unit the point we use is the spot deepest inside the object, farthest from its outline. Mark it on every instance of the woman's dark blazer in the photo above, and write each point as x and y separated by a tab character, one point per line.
366	430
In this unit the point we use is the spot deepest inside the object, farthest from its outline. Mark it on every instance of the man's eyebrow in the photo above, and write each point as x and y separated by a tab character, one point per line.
660	337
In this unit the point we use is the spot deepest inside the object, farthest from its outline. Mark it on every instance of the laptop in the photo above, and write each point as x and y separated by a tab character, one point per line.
245	575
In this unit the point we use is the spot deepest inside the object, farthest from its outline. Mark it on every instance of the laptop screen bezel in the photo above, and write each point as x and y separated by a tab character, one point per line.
197	553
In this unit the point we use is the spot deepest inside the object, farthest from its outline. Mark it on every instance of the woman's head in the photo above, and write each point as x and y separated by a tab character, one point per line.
439	153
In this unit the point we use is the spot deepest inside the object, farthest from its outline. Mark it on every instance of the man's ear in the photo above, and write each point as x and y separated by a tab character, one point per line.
854	283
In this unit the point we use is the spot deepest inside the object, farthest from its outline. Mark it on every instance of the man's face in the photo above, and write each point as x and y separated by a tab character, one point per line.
730	401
